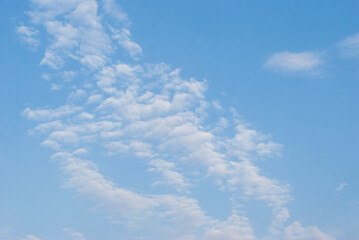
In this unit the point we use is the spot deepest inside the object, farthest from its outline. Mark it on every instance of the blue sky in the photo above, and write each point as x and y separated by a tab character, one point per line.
200	120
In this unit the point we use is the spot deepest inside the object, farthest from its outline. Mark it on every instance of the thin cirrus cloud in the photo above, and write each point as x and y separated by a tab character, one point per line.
294	62
148	112
349	47
340	187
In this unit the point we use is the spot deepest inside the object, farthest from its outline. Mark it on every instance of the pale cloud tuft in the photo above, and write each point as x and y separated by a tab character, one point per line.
74	235
55	87
340	187
68	75
31	237
289	62
29	35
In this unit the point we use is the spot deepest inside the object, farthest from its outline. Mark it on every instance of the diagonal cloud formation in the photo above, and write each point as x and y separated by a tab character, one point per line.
149	113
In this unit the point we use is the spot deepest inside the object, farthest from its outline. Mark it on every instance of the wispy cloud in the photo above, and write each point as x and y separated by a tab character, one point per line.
4	233
48	114
349	47
74	235
31	237
340	187
168	174
123	37
294	62
29	35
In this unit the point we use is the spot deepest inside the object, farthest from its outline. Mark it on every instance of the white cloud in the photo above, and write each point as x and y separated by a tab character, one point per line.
179	214
169	175
135	125
289	62
349	47
340	187
84	116
55	87
95	98
68	75
93	61
85	14
64	34
110	7
49	114
81	38
52	60
246	177
234	228
46	127
298	232
217	105
74	235
67	137
150	114
29	35
123	37
77	94
51	144
31	237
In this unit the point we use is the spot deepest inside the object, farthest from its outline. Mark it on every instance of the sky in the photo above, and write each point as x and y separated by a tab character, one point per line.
184	120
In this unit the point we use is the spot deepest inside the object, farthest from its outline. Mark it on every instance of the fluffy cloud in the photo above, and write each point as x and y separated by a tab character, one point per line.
161	124
289	62
150	114
82	37
298	232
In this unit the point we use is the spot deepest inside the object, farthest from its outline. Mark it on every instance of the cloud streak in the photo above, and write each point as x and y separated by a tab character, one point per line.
294	62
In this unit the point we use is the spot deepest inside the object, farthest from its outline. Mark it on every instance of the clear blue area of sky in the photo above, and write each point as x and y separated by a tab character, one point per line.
316	118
